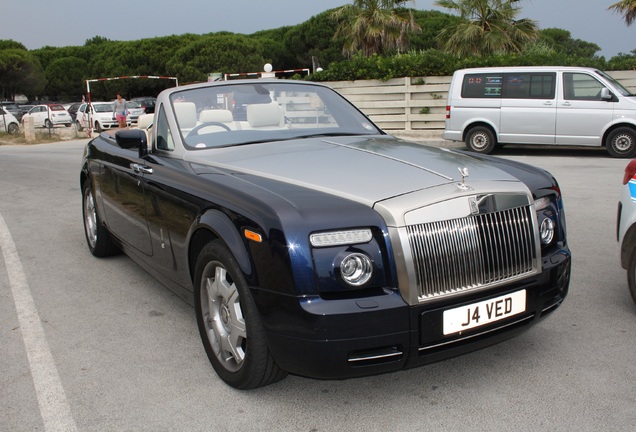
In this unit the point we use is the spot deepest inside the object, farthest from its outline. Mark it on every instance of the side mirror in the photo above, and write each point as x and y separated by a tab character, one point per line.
133	138
605	94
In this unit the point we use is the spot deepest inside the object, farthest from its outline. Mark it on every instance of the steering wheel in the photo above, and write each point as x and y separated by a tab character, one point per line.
206	124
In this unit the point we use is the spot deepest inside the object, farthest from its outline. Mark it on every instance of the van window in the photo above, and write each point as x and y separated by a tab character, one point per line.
530	85
580	86
482	86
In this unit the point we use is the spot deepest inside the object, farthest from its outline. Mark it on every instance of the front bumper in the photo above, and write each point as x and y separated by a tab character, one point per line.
334	339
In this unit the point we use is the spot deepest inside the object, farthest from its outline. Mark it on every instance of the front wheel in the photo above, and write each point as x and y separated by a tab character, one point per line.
480	139
13	128
97	236
78	126
229	323
621	143
98	126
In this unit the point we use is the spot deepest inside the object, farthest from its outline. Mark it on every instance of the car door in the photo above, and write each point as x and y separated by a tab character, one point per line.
122	188
170	213
581	113
528	108
38	116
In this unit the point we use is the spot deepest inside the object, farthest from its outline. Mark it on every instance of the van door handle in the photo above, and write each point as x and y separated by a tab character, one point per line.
566	104
140	168
548	103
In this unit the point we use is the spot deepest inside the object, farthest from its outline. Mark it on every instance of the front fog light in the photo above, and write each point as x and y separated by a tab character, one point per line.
356	269
547	231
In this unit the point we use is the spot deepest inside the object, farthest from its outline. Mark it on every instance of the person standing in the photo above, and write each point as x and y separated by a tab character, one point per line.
120	111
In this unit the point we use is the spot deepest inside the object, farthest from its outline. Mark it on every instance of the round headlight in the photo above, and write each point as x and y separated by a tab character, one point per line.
356	269
547	231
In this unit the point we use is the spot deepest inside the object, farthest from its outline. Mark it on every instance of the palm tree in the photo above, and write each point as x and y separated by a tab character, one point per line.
374	26
627	8
487	27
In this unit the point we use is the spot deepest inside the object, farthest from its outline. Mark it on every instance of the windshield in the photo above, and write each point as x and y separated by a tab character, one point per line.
235	114
618	86
103	107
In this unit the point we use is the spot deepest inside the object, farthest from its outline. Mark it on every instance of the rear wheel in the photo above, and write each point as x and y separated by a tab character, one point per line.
47	124
631	275
480	139
13	128
97	236
229	323
621	143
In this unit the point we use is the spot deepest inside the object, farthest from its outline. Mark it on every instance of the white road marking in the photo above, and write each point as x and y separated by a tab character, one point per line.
54	407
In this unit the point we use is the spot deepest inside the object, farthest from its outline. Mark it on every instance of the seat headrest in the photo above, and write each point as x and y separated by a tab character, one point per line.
186	113
216	115
259	115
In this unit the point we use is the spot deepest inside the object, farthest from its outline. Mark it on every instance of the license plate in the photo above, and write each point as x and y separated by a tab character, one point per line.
485	312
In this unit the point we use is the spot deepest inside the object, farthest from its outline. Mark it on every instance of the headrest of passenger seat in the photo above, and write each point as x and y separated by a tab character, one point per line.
259	115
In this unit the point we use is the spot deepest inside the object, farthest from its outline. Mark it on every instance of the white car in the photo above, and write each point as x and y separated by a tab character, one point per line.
8	122
626	225
49	115
134	111
99	117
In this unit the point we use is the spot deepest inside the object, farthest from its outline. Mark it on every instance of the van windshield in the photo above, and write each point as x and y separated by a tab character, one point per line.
618	86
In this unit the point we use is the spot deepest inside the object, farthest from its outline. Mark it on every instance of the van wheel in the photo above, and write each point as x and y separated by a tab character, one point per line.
480	139
621	143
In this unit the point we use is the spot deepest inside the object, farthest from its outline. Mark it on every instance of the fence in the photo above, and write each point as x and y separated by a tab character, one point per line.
416	104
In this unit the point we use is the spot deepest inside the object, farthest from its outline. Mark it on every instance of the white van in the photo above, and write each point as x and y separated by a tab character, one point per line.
540	105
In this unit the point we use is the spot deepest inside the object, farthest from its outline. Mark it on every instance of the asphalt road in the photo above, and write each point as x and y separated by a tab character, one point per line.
93	344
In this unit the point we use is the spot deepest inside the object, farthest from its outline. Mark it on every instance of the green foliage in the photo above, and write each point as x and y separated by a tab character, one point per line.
216	53
65	78
20	71
561	41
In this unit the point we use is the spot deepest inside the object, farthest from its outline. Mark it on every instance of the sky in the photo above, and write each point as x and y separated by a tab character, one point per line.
58	23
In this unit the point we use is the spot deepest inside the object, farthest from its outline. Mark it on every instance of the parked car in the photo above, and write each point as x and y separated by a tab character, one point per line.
311	242
49	116
546	105
8	122
98	115
134	111
626	226
72	109
147	102
13	108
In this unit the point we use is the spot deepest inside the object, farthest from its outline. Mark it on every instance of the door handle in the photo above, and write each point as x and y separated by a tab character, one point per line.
566	104
143	169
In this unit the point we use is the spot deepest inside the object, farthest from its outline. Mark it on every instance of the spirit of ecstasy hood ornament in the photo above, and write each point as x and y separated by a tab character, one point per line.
464	173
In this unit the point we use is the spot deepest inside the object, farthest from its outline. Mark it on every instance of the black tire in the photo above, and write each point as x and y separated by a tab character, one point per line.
67	125
98	127
48	124
13	128
631	274
480	139
97	236
78	126
621	143
229	323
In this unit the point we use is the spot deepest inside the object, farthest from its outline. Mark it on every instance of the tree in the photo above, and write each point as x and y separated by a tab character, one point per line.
561	42
487	27
374	26
20	72
627	8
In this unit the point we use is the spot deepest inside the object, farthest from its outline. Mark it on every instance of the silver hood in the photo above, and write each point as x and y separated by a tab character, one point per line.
366	170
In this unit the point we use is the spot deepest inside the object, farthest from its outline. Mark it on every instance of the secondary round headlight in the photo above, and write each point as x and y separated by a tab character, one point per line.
547	231
356	269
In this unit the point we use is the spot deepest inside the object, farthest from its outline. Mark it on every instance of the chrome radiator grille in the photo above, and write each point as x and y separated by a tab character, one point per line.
462	254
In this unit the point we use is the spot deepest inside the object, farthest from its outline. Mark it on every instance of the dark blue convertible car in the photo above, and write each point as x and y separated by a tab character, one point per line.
311	242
